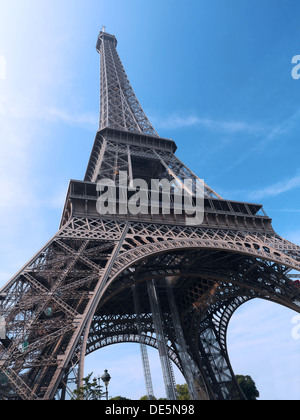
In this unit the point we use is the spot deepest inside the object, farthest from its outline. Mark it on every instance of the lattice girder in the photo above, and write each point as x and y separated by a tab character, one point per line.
48	302
119	107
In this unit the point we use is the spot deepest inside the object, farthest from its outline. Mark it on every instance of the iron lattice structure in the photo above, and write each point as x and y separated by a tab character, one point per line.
150	279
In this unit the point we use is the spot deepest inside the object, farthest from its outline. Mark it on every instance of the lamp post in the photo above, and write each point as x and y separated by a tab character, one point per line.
106	378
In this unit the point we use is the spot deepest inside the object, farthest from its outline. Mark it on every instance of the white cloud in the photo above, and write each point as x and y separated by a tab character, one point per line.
73	118
276	188
23	106
211	124
269	135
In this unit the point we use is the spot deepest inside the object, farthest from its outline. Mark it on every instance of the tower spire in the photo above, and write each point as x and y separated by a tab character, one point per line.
119	106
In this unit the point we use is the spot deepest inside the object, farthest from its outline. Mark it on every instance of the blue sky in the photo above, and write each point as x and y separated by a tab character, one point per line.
215	76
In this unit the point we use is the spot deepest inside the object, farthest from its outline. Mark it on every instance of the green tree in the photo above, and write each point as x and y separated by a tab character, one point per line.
182	392
91	390
145	398
119	398
248	387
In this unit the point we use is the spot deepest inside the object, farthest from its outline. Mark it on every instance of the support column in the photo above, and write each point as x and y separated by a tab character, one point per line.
143	347
196	391
167	369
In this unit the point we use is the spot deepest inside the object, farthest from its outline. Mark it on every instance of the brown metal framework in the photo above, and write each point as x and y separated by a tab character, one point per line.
150	279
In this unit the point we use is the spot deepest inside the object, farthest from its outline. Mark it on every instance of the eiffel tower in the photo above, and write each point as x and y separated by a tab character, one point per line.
152	279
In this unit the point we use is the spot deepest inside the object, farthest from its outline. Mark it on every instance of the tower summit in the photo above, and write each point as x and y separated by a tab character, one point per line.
148	278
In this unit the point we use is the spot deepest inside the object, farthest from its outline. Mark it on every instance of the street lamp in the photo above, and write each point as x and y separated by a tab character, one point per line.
106	378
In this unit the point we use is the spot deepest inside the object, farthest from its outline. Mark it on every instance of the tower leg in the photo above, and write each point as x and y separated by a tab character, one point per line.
143	347
167	370
189	369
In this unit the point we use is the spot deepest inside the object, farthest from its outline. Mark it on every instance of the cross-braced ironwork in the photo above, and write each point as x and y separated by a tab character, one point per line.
151	279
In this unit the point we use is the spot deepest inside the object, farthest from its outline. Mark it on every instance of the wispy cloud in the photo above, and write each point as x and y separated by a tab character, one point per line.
210	124
30	108
276	188
268	137
73	118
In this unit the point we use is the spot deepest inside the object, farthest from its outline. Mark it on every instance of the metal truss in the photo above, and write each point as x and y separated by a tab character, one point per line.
143	347
151	280
109	158
158	322
119	107
73	282
191	373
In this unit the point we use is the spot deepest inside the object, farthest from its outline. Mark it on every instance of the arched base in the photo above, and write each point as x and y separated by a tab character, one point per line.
209	286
